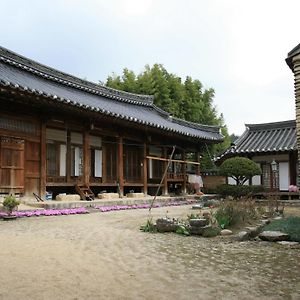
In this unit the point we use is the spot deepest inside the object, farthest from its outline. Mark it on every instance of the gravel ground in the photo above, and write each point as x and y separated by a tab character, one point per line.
105	256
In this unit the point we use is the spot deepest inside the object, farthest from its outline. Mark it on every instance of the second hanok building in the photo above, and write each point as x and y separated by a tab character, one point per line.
274	147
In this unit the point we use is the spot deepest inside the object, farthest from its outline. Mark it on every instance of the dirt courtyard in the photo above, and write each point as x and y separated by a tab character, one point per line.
105	256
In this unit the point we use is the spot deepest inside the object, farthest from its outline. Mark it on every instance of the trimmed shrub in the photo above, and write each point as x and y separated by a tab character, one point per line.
237	191
240	169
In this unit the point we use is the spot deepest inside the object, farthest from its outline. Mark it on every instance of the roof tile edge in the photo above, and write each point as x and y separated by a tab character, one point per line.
67	79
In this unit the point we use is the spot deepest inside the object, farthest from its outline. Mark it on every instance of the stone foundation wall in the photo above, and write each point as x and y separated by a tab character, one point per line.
296	63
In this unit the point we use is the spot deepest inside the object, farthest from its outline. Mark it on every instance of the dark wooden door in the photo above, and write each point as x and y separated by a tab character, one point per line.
32	167
11	165
133	164
110	163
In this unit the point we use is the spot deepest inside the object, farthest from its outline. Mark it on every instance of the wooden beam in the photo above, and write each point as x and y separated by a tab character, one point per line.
120	167
86	157
174	160
165	190
43	161
198	160
103	162
69	163
184	173
145	170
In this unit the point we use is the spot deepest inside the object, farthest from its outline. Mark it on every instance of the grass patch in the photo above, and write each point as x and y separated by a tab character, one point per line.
149	226
211	232
290	225
232	213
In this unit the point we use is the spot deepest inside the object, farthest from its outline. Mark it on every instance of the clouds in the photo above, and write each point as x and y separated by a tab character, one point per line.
236	47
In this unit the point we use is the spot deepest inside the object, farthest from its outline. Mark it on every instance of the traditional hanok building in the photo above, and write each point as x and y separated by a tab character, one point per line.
58	131
269	144
293	61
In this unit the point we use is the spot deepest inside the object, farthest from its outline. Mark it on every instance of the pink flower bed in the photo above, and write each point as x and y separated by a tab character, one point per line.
293	188
141	206
48	212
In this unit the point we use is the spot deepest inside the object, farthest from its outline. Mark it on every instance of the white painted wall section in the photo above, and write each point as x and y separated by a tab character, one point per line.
284	178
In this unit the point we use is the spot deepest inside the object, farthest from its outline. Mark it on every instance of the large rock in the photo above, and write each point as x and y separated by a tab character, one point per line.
242	236
274	236
287	243
226	232
166	225
198	222
199	230
254	231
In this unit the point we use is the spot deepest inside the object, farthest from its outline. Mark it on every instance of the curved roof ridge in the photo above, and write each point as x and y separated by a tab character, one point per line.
241	139
294	51
68	79
289	60
264	138
271	125
161	111
212	128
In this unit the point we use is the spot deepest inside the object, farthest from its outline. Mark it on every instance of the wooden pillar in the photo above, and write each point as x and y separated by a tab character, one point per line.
145	170
165	188
292	168
68	167
198	160
43	160
104	162
86	157
184	173
120	167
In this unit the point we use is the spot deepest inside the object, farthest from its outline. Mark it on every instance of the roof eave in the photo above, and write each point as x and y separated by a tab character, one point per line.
289	60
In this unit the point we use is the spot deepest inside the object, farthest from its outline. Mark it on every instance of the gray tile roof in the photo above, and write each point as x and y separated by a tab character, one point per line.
289	60
26	75
264	138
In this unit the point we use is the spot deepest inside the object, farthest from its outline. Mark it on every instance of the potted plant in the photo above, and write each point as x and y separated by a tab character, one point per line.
10	203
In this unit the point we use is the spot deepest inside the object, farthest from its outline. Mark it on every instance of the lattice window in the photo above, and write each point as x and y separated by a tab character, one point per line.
18	125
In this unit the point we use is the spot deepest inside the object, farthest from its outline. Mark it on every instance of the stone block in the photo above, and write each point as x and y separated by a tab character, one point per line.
135	195
199	230
71	197
242	236
274	236
226	232
198	222
108	195
254	231
166	225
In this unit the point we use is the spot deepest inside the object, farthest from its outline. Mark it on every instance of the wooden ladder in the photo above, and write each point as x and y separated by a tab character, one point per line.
85	192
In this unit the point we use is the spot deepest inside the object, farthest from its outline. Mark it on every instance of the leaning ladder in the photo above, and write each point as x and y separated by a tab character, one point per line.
85	192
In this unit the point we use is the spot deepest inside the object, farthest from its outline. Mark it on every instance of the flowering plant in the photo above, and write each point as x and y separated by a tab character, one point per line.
48	212
293	188
140	206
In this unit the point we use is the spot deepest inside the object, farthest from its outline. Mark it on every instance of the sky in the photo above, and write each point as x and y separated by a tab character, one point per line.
236	47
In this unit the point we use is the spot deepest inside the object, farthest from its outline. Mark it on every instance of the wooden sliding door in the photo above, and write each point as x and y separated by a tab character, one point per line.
11	165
